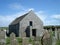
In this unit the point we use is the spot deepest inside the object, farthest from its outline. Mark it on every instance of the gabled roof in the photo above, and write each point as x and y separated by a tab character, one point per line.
17	20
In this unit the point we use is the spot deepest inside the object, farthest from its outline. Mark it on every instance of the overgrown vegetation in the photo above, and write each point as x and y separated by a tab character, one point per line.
58	42
7	41
18	39
30	40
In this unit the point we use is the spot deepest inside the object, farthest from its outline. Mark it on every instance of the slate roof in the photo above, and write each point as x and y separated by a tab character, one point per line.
17	20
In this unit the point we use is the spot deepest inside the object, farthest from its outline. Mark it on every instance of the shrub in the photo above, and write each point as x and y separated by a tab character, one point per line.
7	41
19	40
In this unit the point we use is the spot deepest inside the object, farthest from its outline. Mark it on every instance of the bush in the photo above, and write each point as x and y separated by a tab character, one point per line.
30	40
7	41
19	40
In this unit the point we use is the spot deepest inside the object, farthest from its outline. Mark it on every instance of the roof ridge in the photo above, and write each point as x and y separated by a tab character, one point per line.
19	18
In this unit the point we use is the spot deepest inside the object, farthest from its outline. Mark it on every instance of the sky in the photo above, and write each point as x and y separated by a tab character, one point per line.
47	10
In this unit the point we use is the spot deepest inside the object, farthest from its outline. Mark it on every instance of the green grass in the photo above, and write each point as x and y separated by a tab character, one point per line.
18	39
58	42
7	41
30	41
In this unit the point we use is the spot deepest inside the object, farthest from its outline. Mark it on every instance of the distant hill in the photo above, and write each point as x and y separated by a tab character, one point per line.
2	28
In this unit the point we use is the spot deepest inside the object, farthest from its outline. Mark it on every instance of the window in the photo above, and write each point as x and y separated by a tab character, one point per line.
30	23
34	32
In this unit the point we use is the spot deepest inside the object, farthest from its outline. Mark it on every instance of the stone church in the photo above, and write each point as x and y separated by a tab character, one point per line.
27	25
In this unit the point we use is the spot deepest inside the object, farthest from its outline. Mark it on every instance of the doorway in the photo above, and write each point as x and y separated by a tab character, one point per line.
27	31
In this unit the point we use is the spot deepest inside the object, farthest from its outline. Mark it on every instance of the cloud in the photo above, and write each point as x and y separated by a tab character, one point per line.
52	22
42	15
7	19
16	6
47	20
30	9
57	16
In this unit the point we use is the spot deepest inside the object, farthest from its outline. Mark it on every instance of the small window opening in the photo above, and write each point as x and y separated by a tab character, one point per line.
30	23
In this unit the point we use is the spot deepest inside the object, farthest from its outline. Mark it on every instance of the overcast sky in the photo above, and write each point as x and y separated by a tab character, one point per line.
47	10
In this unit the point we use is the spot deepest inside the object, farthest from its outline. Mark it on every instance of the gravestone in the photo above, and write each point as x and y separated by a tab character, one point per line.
29	44
25	41
59	36
13	40
36	43
5	33
46	39
59	33
56	34
2	37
